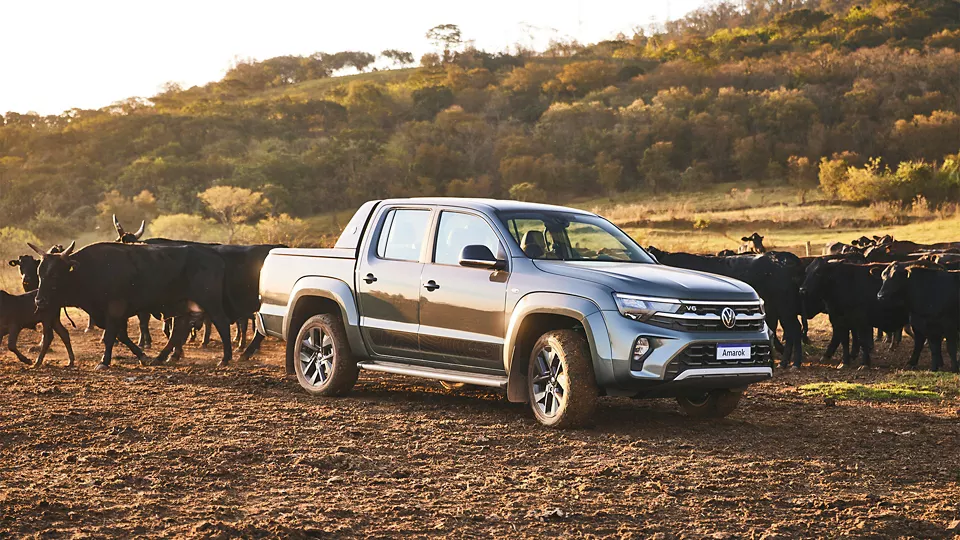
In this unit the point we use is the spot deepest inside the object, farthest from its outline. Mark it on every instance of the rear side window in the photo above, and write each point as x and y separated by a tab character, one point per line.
460	230
402	235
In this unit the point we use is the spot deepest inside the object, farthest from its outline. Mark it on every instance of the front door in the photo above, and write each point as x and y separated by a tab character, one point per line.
388	282
462	309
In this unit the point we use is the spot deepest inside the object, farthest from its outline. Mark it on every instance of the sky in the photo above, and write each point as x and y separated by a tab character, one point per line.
59	55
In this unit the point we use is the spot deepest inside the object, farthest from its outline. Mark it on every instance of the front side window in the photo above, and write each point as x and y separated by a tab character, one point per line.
571	236
457	231
401	237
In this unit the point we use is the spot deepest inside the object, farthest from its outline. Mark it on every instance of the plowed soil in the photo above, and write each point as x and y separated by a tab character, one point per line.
189	450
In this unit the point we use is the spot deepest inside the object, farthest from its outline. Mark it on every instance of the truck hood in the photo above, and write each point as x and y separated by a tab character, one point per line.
653	280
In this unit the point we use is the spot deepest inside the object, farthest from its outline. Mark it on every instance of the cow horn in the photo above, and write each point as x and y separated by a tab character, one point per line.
116	223
139	232
35	248
69	250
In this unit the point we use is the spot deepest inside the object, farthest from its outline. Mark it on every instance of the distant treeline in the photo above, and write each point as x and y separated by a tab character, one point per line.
765	93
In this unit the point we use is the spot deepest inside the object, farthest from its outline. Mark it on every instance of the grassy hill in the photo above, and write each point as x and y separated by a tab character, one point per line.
778	97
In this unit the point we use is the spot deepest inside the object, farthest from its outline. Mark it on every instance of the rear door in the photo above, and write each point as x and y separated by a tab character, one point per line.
462	309
388	280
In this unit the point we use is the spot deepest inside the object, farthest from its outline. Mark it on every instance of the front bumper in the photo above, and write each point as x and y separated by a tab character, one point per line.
678	360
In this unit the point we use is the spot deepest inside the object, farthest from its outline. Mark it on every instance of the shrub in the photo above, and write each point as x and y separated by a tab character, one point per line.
526	191
184	227
13	242
281	229
833	174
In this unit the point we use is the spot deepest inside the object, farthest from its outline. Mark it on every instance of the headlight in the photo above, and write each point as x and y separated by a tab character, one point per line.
642	308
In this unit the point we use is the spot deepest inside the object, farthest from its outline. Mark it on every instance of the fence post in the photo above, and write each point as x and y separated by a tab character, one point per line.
808	248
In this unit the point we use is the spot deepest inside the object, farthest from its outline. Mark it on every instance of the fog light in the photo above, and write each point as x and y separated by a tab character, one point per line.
641	348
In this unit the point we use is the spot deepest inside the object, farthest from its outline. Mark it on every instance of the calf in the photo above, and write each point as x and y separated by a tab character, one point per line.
752	244
18	312
848	294
930	294
27	266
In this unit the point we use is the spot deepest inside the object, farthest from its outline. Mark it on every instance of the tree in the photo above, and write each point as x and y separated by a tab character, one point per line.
399	58
233	206
609	173
655	167
446	37
579	78
130	211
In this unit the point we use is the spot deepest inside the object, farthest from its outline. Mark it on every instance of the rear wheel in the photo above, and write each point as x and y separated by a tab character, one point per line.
560	380
710	404
322	358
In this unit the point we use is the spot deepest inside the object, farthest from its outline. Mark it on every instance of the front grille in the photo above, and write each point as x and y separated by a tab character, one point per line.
705	317
691	324
704	355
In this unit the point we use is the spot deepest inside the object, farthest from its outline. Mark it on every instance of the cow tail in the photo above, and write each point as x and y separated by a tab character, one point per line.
67	313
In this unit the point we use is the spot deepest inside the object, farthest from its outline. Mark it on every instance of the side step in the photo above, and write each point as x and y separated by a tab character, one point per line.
478	379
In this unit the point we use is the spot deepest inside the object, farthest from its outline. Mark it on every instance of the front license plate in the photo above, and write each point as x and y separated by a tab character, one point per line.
733	351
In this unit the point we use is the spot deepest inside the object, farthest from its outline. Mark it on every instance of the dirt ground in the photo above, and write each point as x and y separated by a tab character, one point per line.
195	451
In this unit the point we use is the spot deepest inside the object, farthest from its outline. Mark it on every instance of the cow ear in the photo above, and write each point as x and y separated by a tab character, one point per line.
14	263
876	271
745	239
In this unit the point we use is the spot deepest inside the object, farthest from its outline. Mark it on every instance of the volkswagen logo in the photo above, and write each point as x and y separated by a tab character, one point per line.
728	317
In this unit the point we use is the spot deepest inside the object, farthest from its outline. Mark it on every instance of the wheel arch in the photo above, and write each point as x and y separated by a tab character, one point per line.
315	295
539	313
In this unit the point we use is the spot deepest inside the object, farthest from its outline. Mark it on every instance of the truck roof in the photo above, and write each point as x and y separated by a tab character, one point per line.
485	204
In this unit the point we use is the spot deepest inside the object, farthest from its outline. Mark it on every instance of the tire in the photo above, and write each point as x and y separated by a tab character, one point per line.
561	384
327	369
710	404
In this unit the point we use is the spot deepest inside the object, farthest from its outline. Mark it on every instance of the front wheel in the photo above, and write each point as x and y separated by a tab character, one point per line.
710	404
560	380
322	358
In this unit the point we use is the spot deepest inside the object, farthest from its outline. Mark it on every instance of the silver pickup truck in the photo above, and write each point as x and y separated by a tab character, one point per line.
556	305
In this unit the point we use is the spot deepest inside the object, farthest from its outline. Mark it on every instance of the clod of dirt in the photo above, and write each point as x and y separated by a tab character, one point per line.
954	525
829	402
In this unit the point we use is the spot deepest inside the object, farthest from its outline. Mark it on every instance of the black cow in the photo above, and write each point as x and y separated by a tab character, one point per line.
27	266
19	312
838	248
113	282
726	253
848	294
776	276
242	267
930	294
752	244
904	247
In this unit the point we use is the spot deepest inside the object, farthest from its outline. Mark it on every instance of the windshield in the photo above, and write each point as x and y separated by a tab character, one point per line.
557	235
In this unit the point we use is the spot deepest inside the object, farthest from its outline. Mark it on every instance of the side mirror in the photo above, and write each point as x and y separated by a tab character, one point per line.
479	256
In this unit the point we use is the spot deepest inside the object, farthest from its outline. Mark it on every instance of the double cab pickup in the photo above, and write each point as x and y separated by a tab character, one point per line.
554	305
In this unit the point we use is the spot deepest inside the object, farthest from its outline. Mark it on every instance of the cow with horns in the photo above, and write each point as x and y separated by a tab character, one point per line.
242	274
112	282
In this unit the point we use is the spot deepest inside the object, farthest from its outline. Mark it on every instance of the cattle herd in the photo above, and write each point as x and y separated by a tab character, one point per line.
185	284
877	283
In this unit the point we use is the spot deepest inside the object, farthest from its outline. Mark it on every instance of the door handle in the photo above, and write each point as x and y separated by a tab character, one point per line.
370	278
431	285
